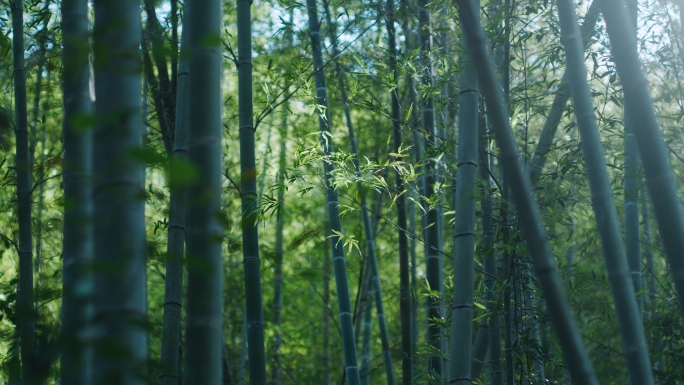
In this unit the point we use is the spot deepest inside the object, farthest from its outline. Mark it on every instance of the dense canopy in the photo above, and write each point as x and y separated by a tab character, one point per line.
341	192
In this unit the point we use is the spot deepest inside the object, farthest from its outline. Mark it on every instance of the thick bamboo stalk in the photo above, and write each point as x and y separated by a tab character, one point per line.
626	307
22	163
464	226
339	262
250	232
173	286
204	316
530	220
77	244
652	148
118	210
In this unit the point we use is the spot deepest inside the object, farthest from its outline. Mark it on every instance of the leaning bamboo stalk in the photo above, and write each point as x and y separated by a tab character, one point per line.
561	98
626	307
649	138
530	220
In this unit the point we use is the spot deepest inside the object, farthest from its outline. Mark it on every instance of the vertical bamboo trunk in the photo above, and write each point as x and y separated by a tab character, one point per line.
480	349
561	98
490	264
404	273
631	185
366	340
279	254
118	210
648	253
250	232
626	307
77	237
173	289
408	46
544	264
433	258
339	262
367	225
166	108
464	227
22	163
204	317
505	195
326	320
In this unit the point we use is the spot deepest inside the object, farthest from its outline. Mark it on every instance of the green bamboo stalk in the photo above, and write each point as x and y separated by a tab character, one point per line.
204	317
631	185
166	108
404	266
118	210
504	211
326	319
23	175
339	263
464	226
368	228
408	46
366	340
626	307
490	264
279	253
173	286
560	100
433	258
250	232
530	220
480	349
77	232
652	148
648	253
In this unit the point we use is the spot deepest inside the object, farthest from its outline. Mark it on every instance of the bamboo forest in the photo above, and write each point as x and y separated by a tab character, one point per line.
342	192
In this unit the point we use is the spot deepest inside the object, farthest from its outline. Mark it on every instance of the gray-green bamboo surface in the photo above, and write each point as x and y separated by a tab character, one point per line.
118	209
248	173
204	317
490	257
23	166
631	185
464	226
77	236
339	262
402	223
173	286
433	258
652	147
544	264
